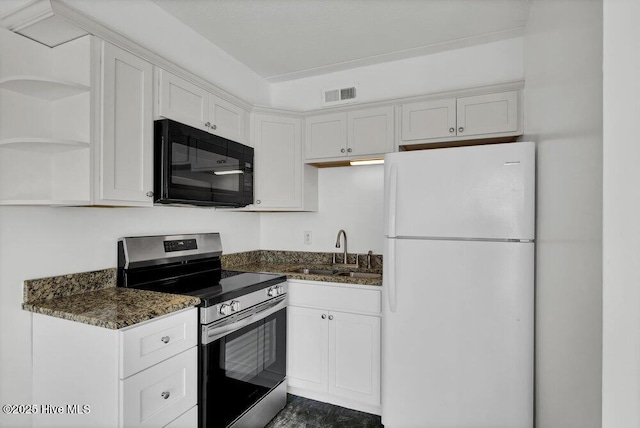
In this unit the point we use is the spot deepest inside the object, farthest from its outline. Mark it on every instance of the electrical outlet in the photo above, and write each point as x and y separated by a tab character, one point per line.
307	237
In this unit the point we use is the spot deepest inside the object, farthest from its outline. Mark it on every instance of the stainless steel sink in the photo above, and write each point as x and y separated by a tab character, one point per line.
360	275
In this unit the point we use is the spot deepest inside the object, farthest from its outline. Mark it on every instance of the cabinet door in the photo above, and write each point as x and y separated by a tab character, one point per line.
370	132
354	357
307	348
326	136
278	154
182	101
429	119
227	120
124	158
488	114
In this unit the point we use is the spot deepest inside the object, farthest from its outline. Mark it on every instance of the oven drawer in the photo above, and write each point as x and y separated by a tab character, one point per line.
150	343
159	394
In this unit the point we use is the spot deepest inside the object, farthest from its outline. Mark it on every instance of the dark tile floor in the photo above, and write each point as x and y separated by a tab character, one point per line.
304	413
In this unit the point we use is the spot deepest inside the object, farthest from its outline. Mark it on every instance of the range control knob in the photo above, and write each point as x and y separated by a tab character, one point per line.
225	309
235	305
272	292
280	289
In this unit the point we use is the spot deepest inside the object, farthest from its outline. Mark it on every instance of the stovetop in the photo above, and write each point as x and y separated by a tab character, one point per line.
234	284
215	286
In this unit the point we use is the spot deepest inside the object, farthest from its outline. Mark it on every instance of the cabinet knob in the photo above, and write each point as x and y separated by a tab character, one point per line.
330	317
165	339
208	124
165	394
258	202
461	129
452	129
323	316
214	127
341	150
149	194
349	150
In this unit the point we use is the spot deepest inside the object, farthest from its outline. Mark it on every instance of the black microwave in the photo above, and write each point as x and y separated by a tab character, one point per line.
195	167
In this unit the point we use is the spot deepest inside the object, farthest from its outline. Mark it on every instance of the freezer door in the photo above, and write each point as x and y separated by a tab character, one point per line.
485	192
458	350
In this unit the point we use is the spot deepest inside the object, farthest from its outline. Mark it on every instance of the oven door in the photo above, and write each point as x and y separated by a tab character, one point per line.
204	169
242	359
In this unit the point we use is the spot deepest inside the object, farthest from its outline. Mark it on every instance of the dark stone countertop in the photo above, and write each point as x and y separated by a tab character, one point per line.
112	308
289	269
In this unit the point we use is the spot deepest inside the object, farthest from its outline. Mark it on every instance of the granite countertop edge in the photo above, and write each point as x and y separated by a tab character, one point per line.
120	314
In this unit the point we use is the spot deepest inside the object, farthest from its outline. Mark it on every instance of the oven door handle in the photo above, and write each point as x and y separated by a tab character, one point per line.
215	331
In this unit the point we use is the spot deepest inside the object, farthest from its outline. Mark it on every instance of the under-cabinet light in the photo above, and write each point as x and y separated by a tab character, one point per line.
367	162
231	171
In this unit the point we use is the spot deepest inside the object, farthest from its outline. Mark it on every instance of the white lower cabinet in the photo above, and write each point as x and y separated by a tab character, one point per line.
334	355
141	376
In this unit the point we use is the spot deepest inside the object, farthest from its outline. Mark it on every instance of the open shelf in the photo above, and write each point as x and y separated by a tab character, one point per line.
42	145
42	87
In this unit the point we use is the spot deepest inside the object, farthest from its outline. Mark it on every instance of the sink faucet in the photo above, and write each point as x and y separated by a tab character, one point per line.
343	233
344	260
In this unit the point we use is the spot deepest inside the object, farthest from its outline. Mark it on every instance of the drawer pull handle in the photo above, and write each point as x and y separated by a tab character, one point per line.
165	339
165	394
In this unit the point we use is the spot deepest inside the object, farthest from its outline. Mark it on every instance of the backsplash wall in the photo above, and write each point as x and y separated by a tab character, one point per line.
350	198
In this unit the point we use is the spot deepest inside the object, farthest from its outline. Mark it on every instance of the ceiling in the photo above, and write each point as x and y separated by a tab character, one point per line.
288	39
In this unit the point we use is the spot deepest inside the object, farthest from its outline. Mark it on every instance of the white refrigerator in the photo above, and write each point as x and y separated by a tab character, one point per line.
458	287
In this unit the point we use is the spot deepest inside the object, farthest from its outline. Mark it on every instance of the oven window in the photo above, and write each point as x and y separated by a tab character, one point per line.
240	368
202	165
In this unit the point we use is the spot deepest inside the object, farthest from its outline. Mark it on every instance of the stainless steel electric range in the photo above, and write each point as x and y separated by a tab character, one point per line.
242	346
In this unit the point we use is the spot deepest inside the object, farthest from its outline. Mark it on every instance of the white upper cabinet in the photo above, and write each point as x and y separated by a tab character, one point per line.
124	151
326	136
429	119
370	131
192	105
282	181
182	101
450	119
488	114
342	136
226	119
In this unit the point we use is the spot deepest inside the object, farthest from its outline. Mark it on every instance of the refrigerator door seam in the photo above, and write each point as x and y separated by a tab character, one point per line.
451	238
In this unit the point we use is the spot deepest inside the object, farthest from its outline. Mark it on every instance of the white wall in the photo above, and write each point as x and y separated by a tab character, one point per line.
621	232
563	114
152	27
349	198
37	242
471	66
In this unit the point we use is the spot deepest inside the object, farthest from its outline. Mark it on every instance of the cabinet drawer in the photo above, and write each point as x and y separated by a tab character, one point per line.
187	420
158	340
349	299
158	395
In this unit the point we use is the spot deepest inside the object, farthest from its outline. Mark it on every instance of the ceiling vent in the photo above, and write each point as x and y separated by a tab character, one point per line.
337	96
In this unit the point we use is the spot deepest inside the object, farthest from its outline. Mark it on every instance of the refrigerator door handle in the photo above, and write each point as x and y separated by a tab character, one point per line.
391	275
393	200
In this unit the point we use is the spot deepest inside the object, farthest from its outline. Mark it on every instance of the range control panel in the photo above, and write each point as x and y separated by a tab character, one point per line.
180	245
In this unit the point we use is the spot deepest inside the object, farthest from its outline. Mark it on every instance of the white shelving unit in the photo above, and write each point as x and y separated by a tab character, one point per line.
42	87
45	99
43	145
